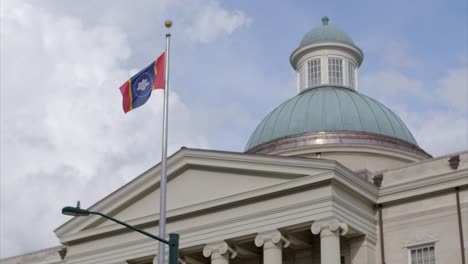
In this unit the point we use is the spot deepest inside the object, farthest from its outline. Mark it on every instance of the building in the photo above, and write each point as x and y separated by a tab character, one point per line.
329	176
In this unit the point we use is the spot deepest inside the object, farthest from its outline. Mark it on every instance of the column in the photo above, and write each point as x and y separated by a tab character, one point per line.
330	231
219	252
272	242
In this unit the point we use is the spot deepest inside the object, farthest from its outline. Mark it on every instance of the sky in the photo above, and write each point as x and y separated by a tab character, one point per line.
64	136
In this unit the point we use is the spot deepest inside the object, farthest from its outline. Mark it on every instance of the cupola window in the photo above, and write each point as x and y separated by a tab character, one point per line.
314	72
335	71
351	74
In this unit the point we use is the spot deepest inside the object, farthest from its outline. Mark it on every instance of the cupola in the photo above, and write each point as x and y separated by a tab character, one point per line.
326	56
329	118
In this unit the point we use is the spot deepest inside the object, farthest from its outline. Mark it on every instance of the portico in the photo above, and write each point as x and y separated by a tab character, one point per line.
292	208
328	234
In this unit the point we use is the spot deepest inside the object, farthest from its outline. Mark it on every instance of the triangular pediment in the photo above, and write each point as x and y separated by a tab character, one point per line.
197	186
197	180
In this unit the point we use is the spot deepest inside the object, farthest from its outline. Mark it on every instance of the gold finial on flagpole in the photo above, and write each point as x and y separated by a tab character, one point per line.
168	23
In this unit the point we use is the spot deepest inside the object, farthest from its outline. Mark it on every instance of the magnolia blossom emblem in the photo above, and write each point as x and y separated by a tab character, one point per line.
143	85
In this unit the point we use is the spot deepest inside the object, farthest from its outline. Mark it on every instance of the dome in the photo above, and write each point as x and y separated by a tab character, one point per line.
333	109
326	33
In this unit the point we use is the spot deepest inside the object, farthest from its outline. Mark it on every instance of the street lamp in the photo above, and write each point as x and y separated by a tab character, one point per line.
173	241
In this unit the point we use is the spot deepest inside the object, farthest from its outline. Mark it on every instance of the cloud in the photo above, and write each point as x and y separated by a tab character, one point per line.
435	114
212	21
453	89
437	132
64	136
392	53
397	54
440	133
392	83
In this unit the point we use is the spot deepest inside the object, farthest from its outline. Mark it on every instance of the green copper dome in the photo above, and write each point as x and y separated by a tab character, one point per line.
329	108
325	33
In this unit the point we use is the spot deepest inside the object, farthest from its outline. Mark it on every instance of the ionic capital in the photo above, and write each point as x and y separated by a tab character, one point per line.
274	237
219	250
325	227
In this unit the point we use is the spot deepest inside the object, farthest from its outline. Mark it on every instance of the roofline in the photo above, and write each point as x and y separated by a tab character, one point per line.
187	158
176	156
301	50
58	247
426	160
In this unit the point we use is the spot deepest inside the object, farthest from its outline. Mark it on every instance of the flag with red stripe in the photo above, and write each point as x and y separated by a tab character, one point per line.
137	90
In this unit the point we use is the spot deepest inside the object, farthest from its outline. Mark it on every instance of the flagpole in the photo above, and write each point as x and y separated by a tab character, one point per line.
163	183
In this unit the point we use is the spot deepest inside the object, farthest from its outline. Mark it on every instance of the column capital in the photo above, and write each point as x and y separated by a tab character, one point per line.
274	236
218	249
332	225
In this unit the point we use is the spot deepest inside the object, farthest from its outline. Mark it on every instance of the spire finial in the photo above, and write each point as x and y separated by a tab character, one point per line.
325	20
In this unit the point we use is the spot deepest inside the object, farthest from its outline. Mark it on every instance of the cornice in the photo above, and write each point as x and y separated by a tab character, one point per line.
423	186
462	154
210	232
186	158
419	240
420	216
210	205
301	51
336	173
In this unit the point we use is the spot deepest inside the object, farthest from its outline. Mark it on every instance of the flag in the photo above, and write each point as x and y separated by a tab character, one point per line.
137	90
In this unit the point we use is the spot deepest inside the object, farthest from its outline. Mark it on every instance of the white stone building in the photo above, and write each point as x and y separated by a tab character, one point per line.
330	176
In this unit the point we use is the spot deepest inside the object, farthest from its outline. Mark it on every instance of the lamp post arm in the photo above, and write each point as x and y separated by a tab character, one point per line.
131	227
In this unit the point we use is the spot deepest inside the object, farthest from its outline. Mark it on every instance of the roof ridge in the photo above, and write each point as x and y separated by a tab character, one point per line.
341	110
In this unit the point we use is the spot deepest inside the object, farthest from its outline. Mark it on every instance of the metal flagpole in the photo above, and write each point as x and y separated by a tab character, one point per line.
163	182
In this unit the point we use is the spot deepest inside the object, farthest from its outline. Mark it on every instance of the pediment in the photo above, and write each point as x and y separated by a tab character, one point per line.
196	186
419	240
197	179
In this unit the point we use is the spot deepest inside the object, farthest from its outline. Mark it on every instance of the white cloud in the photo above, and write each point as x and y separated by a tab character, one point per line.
392	53
397	54
211	21
64	136
437	117
392	83
441	132
437	132
453	89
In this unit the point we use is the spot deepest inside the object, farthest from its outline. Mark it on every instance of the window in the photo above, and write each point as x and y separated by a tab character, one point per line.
314	74
352	79
422	255
335	71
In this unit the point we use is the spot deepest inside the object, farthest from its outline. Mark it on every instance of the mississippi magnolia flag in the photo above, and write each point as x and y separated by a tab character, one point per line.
137	90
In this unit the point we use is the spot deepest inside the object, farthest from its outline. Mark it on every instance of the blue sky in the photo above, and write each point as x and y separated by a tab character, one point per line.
64	136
